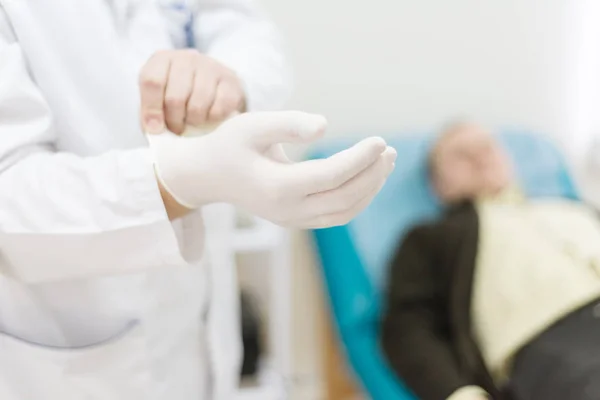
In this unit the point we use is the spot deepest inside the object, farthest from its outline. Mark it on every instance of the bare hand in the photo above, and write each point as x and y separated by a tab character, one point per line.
185	87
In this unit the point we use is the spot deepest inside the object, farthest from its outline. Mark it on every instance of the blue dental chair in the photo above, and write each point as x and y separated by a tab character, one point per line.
355	257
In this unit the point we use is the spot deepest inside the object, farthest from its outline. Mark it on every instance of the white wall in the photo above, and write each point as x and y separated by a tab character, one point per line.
583	108
384	65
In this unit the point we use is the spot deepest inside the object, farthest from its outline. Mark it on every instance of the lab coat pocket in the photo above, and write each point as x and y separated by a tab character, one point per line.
116	369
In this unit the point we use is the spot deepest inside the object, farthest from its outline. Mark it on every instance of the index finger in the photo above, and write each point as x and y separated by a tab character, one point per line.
317	176
153	84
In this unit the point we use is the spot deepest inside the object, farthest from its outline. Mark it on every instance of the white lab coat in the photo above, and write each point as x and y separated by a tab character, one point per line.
101	297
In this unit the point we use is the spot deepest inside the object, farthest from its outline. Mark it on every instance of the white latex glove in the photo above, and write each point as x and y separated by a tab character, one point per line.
242	163
469	393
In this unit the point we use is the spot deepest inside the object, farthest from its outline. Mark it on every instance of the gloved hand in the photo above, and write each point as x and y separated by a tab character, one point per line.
242	163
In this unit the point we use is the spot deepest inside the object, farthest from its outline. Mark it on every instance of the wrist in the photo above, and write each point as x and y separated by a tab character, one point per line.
174	209
188	170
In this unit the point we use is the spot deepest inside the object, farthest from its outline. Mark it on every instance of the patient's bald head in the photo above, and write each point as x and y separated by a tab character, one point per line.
467	162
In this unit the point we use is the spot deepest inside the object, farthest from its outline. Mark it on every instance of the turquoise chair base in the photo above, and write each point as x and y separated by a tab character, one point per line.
354	257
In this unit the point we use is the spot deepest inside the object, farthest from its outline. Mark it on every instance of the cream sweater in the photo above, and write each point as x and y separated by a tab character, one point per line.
538	260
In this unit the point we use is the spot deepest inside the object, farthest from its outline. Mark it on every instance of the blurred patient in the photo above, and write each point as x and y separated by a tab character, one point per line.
500	297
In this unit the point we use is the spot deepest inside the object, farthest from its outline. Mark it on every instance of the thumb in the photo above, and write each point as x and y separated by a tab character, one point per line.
265	129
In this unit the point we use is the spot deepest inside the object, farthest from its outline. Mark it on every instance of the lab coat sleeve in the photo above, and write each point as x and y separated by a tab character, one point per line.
239	35
63	216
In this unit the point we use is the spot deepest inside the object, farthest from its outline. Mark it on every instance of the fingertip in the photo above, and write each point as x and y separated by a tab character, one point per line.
320	122
389	156
376	144
380	141
391	153
154	125
311	126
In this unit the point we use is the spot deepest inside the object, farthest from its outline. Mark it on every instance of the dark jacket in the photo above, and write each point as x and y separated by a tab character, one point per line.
426	329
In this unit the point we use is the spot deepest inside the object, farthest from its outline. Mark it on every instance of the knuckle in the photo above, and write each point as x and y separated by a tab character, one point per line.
196	110
175	102
196	57
231	101
191	53
217	114
151	83
182	53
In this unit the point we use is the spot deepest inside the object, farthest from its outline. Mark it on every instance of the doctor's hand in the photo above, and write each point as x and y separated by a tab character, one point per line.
186	87
243	164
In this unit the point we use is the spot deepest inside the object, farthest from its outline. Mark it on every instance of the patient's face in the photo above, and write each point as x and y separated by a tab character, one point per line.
468	162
